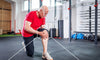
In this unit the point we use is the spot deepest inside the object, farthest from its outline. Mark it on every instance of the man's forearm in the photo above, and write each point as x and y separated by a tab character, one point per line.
31	30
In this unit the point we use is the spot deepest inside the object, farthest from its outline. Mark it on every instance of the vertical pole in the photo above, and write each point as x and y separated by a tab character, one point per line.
41	3
90	19
96	19
70	20
55	14
28	5
55	9
50	3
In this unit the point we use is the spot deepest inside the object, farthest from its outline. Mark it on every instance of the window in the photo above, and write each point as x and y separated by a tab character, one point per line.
51	3
25	5
35	4
46	2
58	3
82	0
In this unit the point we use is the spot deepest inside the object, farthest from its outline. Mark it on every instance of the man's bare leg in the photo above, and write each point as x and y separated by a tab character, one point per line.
45	46
45	42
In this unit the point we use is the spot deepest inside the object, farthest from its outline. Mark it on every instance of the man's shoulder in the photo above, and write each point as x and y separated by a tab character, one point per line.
32	12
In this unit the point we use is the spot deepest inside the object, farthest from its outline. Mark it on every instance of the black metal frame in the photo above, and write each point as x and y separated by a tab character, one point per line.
90	19
70	20
40	3
28	5
96	20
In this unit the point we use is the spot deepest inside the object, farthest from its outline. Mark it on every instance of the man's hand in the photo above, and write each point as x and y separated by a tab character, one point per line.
44	34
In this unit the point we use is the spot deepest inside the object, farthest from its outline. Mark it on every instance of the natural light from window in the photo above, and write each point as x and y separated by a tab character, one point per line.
36	4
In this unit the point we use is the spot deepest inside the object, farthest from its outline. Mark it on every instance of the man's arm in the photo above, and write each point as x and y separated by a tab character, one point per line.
29	29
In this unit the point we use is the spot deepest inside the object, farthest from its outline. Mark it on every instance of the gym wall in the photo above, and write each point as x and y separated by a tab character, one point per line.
66	19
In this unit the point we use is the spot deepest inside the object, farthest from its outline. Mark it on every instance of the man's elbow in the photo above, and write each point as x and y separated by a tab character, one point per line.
26	28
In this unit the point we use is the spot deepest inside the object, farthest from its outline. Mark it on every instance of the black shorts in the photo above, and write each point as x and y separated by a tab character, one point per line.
40	30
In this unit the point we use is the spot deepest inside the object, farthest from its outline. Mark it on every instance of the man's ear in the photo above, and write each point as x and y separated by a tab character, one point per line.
41	10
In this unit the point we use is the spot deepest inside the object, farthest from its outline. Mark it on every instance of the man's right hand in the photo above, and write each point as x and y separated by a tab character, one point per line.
42	34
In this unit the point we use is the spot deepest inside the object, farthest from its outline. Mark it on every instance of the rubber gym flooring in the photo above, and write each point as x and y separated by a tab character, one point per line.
59	49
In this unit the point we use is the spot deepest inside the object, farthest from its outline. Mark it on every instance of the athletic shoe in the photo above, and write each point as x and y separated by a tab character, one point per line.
23	46
47	56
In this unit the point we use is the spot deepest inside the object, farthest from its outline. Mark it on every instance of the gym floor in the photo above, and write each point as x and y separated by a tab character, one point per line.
59	49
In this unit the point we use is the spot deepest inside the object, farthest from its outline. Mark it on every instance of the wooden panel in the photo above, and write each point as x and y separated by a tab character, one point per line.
5	16
1	32
5	4
1	1
5	31
6	25
0	24
0	14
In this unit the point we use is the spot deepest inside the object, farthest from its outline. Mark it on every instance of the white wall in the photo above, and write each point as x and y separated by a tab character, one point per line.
66	19
74	15
13	16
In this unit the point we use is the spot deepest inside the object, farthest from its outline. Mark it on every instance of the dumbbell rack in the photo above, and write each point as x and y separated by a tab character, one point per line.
88	22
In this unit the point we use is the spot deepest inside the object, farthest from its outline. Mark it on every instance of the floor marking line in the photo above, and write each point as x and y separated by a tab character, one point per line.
21	49
66	49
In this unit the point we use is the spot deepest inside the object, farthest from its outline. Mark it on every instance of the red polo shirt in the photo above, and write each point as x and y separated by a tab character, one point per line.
36	23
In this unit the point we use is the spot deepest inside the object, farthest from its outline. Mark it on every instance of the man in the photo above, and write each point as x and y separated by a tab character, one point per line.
34	24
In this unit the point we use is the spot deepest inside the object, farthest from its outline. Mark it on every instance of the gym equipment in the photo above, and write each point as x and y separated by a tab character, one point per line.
12	32
85	37
52	32
73	36
91	37
80	36
60	28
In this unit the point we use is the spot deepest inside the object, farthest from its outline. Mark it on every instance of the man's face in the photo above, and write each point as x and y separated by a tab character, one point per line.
43	13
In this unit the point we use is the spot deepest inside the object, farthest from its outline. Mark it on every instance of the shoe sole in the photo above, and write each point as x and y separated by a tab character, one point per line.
45	58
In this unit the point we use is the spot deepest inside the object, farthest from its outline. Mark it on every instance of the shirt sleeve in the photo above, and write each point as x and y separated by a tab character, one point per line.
43	23
29	17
